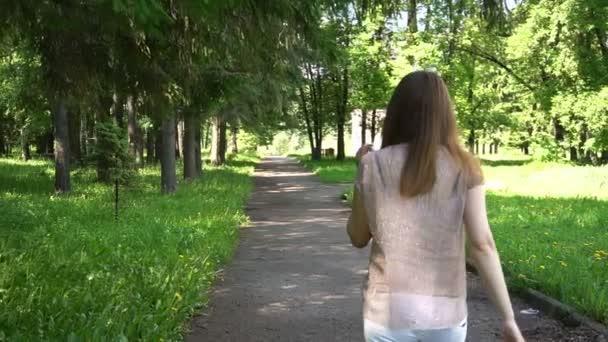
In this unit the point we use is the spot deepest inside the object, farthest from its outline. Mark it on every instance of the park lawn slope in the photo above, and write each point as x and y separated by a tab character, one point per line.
550	222
68	271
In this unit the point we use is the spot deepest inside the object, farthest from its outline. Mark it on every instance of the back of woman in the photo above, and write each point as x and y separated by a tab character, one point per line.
411	200
411	234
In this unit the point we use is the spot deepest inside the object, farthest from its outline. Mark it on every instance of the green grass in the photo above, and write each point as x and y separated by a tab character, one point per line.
550	222
331	170
68	271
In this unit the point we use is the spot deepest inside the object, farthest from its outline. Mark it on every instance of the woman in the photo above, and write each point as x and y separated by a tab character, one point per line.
411	200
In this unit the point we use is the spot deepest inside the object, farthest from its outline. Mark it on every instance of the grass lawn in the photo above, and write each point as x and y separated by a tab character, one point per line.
68	271
550	222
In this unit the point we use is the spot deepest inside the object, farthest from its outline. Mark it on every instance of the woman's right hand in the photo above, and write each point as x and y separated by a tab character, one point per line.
511	332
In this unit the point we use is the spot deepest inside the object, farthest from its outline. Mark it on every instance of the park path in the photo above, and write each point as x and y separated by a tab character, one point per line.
295	276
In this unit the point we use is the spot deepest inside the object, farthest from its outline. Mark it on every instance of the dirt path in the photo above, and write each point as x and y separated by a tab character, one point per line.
295	276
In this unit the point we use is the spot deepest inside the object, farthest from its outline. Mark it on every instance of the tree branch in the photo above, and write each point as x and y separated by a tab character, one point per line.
475	51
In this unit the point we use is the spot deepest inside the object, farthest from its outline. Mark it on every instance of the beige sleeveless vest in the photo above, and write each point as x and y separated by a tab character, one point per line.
417	276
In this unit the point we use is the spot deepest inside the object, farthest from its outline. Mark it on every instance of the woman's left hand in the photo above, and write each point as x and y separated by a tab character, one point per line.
365	149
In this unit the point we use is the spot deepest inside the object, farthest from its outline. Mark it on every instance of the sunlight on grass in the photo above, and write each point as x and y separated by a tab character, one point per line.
549	221
68	271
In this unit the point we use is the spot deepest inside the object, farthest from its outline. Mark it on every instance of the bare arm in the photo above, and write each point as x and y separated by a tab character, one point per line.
357	227
485	256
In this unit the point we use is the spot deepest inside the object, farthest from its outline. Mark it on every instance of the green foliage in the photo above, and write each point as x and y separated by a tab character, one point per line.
112	150
69	272
548	220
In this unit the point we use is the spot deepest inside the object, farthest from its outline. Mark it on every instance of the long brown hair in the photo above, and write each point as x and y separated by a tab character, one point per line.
420	113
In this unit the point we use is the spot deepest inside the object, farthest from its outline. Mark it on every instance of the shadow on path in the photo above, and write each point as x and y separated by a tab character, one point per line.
295	276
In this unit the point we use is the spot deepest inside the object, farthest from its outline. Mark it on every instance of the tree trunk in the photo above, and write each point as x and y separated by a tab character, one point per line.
527	148
496	147
307	121
180	139
374	124
62	147
206	139
150	134
218	142
234	132
477	146
25	144
363	127
412	18
190	124
118	109
318	119
84	136
604	157
134	132
167	159
341	154
197	149
471	142
483	148
573	153
558	130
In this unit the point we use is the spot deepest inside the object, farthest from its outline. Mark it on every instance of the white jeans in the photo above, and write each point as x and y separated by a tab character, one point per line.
377	333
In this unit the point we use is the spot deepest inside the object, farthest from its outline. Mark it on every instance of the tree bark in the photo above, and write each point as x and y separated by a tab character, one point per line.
558	130
180	139
197	149
573	153
118	109
471	142
218	142
25	144
84	136
604	157
341	154
62	147
167	160
374	124
363	127
307	121
131	127
477	146
190	124
412	18
207	131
